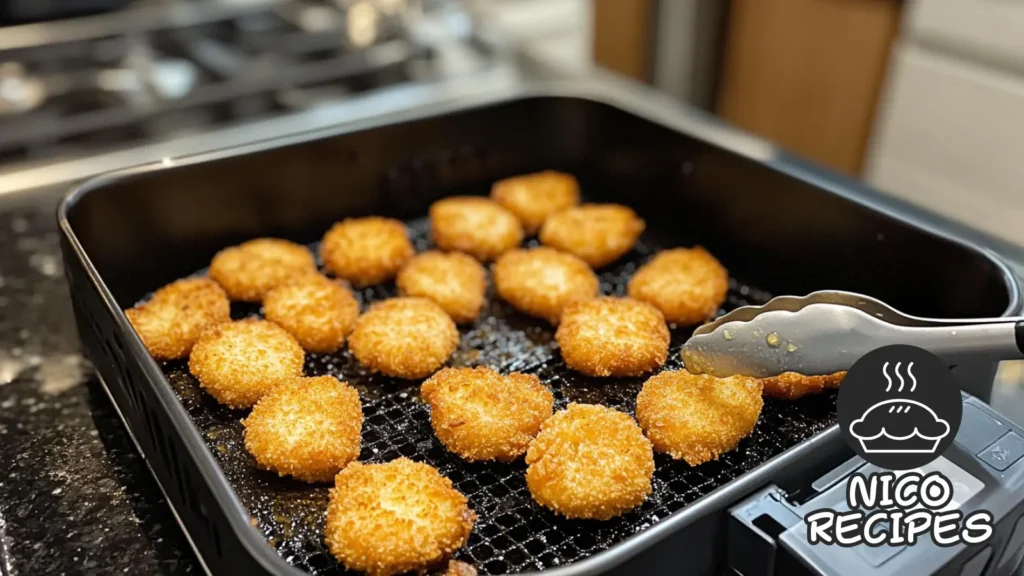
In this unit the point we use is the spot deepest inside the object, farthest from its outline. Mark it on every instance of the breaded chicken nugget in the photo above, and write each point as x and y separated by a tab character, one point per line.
177	314
477	226
251	269
482	415
456	568
238	362
542	281
686	284
391	518
366	251
306	427
590	461
698	417
610	336
534	197
455	281
404	338
317	311
792	386
597	233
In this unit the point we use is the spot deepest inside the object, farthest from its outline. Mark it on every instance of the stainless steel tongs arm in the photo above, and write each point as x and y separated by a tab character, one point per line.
827	332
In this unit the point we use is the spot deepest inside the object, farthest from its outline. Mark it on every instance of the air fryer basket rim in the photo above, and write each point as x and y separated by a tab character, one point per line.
622	97
626	97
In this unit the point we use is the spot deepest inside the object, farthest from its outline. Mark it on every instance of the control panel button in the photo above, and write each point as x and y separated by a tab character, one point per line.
978	429
1005	452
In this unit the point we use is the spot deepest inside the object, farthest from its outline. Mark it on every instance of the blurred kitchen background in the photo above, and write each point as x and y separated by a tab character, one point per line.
923	99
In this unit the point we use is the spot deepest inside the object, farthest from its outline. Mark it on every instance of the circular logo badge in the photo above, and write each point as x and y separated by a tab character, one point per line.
899	407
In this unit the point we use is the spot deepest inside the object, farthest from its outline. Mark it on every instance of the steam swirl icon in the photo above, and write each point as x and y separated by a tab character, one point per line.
899	425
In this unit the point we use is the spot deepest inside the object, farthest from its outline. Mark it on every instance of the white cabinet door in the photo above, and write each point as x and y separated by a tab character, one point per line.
990	31
950	136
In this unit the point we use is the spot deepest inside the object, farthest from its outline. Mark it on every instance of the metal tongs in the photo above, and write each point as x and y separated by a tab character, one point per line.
826	332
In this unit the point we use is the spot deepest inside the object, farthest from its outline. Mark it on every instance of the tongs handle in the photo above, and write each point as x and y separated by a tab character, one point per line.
996	340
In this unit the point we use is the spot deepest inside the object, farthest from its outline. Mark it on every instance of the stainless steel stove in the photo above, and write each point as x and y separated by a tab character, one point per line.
159	70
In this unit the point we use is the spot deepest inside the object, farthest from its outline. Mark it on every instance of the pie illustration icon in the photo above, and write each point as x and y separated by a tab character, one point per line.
905	417
899	426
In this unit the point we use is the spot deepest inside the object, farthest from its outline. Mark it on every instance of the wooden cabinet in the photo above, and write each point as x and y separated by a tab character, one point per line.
624	36
806	73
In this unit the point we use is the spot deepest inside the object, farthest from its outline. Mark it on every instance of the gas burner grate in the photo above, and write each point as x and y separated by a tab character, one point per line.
157	70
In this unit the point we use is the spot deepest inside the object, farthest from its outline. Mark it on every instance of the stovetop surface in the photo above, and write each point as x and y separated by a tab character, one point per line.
162	69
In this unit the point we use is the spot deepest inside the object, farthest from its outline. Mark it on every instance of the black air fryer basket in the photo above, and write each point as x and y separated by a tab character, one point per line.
126	234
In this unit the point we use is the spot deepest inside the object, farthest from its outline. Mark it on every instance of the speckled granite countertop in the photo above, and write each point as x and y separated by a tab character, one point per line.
75	496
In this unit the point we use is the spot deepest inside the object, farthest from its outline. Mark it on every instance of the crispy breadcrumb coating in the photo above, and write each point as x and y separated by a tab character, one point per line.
457	568
698	417
482	415
611	336
251	269
686	284
306	427
404	338
792	386
598	233
455	281
177	314
477	226
238	362
542	281
395	517
317	311
534	197
366	251
590	461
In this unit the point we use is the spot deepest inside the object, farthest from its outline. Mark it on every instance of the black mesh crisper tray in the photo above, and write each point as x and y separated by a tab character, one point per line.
512	533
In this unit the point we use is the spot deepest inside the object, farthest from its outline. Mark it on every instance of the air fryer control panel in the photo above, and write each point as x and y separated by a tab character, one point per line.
769	532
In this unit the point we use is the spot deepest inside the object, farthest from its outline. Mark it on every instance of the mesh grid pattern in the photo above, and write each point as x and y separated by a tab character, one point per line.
512	533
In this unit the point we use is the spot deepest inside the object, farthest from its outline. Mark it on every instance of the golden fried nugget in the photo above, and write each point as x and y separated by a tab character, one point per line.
793	386
590	461
307	428
482	415
404	338
611	336
686	284
454	280
317	311
457	568
534	197
698	417
171	322
477	226
598	233
251	269
237	363
366	251
542	281
391	518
